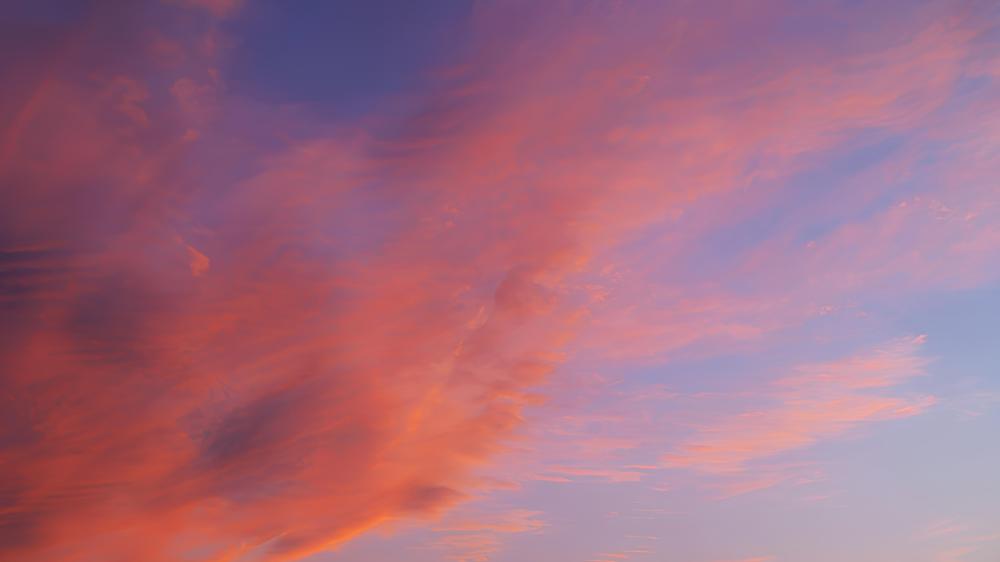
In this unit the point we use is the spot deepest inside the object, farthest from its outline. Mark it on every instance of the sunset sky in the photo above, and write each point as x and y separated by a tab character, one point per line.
500	281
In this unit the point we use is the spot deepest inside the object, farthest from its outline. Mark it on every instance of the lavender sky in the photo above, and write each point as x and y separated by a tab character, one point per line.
500	281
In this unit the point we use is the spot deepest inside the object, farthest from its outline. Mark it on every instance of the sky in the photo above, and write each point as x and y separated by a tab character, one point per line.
499	281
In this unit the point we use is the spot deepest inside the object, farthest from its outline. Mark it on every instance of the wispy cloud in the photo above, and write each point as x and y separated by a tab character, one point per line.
475	538
813	402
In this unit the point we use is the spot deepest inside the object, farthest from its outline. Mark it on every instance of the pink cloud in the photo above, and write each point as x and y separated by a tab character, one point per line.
475	538
814	402
621	555
218	8
957	540
268	366
613	475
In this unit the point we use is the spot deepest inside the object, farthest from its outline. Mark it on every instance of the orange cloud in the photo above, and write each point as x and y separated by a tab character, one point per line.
266	403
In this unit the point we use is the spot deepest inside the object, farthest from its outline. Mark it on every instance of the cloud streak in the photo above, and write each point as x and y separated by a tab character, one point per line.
815	402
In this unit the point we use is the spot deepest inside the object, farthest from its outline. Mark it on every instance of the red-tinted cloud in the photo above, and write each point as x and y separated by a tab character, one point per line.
218	350
207	372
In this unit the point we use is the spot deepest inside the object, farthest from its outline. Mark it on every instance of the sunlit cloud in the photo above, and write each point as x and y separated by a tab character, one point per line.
240	329
815	402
